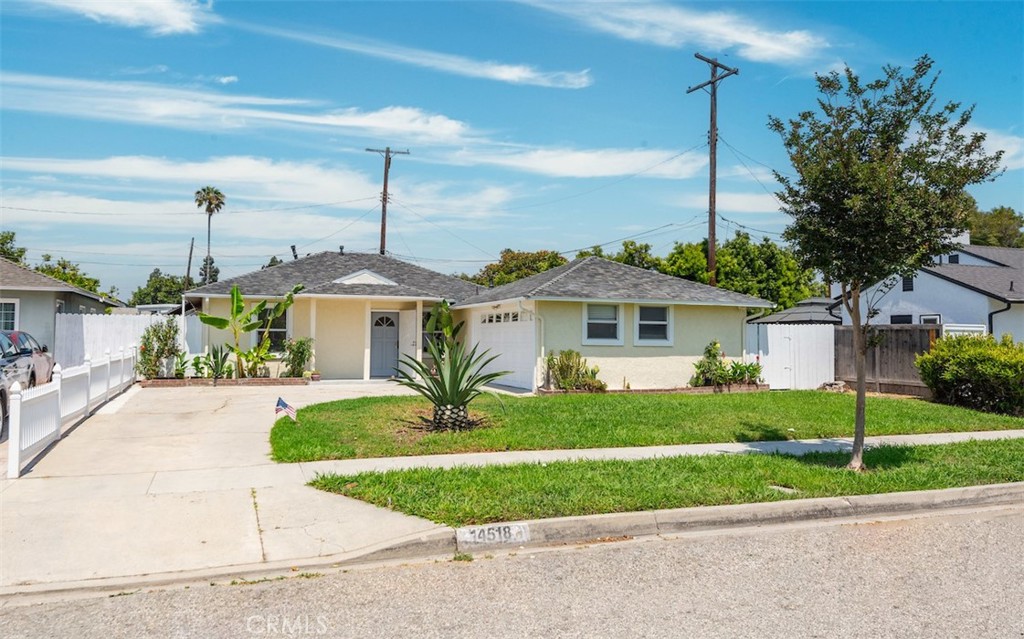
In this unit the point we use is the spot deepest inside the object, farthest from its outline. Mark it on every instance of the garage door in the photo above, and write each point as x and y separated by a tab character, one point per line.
510	336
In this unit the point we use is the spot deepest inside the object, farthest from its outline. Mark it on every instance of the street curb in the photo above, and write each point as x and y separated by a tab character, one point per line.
444	542
565	530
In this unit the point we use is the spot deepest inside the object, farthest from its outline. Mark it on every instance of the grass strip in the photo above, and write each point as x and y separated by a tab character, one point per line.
476	495
393	426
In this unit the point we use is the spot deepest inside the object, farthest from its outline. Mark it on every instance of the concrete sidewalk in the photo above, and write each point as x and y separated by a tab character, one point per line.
166	484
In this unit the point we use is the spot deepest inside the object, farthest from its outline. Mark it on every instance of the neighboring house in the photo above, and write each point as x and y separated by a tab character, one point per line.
813	310
643	329
29	301
365	310
980	285
362	310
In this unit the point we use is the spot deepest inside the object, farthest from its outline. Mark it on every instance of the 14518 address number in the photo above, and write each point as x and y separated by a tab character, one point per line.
496	534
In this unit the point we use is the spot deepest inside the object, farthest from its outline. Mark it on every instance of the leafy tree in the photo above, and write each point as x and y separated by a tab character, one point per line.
160	288
213	201
688	261
208	265
8	250
879	191
1002	226
515	265
638	255
274	261
69	272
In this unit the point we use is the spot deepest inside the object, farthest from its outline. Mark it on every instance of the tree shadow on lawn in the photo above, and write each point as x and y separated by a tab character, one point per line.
877	458
759	432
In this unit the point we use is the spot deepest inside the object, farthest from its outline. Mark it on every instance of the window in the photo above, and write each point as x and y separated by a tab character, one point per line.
653	326
278	330
9	315
901	319
60	306
954	258
908	283
602	324
7	347
931	319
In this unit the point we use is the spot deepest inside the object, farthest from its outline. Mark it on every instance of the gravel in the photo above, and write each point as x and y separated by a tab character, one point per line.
954	575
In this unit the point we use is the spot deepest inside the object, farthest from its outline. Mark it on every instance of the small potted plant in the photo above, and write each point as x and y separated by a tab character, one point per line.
313	375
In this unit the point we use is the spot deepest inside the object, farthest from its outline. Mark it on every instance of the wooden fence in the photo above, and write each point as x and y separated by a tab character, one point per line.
890	363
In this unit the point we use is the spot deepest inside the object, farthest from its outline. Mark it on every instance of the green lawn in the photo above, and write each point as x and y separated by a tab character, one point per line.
392	426
465	496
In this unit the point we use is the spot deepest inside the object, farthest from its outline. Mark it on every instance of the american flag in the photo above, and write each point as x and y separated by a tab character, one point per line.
283	406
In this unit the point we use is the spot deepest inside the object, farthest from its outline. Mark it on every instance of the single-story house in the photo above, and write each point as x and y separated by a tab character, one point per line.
813	310
975	285
362	310
30	301
642	329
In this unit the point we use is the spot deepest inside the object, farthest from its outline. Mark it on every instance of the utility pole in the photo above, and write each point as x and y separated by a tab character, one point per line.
387	153
716	66
188	267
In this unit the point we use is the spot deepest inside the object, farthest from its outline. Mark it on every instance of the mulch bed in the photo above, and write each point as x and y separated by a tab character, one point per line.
685	390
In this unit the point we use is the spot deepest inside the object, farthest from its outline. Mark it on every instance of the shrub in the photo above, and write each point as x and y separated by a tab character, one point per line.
297	353
714	370
976	372
569	371
159	342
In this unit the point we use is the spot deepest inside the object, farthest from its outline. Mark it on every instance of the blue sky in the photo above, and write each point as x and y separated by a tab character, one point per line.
530	125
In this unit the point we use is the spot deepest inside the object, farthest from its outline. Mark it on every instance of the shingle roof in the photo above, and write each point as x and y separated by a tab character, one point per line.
600	279
1011	257
15	277
318	273
994	281
813	310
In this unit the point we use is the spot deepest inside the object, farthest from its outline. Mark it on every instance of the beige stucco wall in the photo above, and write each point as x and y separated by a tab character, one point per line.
643	366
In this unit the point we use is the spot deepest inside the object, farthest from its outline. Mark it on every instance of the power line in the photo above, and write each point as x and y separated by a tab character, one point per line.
154	214
748	228
754	160
386	152
449	232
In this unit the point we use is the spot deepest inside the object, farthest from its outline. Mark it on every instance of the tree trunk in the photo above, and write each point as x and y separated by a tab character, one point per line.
206	276
450	417
860	352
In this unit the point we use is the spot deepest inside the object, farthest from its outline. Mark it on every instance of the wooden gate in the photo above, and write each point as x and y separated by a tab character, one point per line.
890	364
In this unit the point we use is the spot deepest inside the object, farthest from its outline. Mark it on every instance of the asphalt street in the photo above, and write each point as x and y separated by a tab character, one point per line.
957	574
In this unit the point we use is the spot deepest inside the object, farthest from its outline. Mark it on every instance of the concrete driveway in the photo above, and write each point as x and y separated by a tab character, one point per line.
179	480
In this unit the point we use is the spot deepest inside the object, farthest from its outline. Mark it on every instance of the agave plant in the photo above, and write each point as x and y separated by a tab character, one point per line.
458	380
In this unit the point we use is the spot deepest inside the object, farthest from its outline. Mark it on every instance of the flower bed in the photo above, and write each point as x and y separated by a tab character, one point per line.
205	381
683	390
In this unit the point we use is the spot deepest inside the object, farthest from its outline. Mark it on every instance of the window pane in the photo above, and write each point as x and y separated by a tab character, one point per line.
7	316
602	312
653	331
653	314
602	331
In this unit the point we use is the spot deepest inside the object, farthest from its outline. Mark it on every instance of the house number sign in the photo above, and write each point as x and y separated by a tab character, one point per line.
496	534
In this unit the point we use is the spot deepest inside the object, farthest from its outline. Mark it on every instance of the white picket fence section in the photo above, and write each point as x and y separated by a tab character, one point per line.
793	356
37	415
77	334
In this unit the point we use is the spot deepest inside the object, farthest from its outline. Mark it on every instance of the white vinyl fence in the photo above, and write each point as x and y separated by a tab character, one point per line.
793	356
78	334
37	415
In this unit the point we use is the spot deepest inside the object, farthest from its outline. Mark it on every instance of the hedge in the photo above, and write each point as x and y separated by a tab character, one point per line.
976	372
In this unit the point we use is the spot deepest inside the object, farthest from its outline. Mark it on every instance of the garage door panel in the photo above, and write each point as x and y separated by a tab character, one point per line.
510	336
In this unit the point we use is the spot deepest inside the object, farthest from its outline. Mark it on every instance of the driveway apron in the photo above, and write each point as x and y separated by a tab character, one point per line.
171	480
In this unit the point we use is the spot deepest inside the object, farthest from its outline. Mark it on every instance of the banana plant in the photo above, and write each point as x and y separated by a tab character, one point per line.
241	321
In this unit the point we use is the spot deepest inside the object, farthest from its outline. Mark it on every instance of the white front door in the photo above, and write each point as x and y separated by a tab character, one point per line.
383	344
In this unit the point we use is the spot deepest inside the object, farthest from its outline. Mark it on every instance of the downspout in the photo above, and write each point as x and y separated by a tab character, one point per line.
990	319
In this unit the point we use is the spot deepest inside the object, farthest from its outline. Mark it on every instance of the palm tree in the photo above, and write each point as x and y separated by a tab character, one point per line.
213	200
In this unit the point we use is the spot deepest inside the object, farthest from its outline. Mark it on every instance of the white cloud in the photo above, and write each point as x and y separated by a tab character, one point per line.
227	79
160	17
730	202
674	27
1011	145
185	108
445	62
563	162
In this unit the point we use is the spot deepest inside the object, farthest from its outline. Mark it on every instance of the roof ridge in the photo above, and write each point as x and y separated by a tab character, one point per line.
572	266
69	285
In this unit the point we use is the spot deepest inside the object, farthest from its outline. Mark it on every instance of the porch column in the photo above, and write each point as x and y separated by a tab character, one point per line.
206	327
312	333
419	331
367	340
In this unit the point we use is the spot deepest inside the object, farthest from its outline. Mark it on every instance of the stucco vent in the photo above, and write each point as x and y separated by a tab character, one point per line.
365	277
